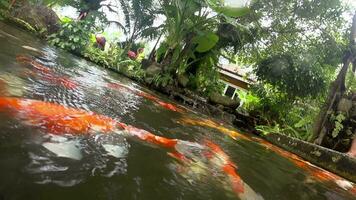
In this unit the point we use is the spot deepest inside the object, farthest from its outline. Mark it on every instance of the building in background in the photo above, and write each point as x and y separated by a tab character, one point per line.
235	78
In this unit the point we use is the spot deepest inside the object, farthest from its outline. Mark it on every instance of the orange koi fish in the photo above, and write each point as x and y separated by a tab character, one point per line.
213	157
149	137
145	95
58	119
214	125
48	74
227	166
314	171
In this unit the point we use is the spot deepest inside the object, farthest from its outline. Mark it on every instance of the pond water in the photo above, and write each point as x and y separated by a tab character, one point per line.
67	149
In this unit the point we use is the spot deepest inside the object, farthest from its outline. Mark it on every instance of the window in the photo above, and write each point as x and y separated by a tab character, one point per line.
230	91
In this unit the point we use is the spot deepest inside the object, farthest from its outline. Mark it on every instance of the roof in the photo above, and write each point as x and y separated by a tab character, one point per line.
236	72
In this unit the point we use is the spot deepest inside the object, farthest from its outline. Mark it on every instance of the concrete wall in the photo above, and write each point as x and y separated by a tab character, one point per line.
330	160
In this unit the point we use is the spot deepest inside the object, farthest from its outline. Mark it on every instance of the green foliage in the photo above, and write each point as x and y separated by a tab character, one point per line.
293	118
139	17
248	100
294	76
162	80
295	48
205	42
192	44
131	68
265	130
234	12
206	81
297	45
286	130
338	121
4	4
108	58
74	36
351	81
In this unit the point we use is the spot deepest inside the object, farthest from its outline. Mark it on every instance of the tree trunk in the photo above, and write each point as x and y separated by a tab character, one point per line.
337	90
150	58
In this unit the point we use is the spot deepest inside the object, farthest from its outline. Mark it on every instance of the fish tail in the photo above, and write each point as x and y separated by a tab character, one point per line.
158	140
235	179
148	137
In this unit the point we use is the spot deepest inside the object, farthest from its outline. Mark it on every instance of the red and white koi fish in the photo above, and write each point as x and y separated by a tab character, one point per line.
47	73
145	95
212	156
58	119
226	166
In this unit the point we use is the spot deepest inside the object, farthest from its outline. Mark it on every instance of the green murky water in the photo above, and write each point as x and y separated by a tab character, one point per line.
113	166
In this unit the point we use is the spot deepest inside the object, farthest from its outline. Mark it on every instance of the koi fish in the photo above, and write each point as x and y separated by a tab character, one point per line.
149	137
36	65
227	166
58	119
214	125
314	171
145	95
213	157
47	73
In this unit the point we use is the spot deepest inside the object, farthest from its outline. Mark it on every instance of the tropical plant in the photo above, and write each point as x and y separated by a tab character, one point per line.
162	79
74	36
108	58
139	17
191	45
248	100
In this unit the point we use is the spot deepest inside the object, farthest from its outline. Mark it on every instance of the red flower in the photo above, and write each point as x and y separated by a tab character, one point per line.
132	55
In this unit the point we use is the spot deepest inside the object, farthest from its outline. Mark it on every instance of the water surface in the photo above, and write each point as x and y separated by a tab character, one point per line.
86	169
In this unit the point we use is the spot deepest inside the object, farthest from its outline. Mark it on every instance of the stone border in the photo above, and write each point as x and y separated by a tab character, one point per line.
336	162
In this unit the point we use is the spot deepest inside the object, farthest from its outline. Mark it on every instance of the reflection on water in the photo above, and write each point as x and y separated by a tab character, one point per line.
79	139
67	161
